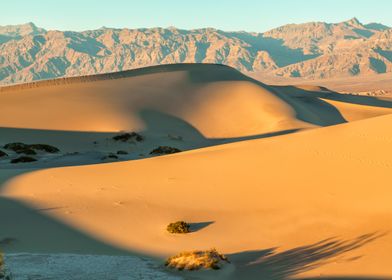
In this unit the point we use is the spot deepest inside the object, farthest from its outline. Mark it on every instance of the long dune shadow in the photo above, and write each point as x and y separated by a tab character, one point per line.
81	147
199	226
333	95
30	230
285	265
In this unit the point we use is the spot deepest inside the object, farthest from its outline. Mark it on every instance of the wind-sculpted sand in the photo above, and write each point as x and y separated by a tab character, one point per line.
287	182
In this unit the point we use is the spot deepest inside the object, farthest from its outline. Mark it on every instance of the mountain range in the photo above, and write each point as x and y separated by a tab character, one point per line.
312	50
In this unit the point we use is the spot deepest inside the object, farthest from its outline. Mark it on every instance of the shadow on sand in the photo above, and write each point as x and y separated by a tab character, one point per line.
272	265
199	226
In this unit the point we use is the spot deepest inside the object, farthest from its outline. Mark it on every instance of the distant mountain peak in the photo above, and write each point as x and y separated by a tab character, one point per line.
19	30
31	24
353	22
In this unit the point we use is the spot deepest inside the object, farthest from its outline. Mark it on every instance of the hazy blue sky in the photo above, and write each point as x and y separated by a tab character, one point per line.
230	15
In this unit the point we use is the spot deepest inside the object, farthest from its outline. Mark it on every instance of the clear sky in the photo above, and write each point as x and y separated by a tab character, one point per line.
229	15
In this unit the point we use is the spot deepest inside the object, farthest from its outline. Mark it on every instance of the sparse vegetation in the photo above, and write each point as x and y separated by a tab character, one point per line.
3	154
1	266
110	156
4	275
128	136
178	227
162	150
22	148
45	148
194	260
15	146
23	159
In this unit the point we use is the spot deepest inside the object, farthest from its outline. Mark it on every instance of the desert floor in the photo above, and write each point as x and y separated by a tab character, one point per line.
290	182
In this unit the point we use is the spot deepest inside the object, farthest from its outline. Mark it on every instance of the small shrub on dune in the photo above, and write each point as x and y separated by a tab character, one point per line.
3	154
194	260
3	272
110	156
178	227
28	149
45	148
164	150
1	266
128	136
23	159
15	146
20	148
122	152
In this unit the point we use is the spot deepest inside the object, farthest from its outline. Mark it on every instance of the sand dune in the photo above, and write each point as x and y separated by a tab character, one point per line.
306	204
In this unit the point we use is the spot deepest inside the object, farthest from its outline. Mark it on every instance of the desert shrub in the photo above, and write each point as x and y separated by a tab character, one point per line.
193	260
178	227
20	148
28	149
164	150
44	147
15	146
4	274
1	265
128	136
110	156
3	154
122	152
23	159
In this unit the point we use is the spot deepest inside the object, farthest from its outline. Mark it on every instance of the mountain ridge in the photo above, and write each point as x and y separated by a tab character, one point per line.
311	50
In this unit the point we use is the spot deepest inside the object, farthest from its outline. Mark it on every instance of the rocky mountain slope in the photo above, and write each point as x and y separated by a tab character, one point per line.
310	50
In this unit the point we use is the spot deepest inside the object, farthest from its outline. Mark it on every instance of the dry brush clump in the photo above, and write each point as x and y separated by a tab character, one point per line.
3	154
110	156
128	136
164	150
23	159
194	260
4	274
29	149
178	227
